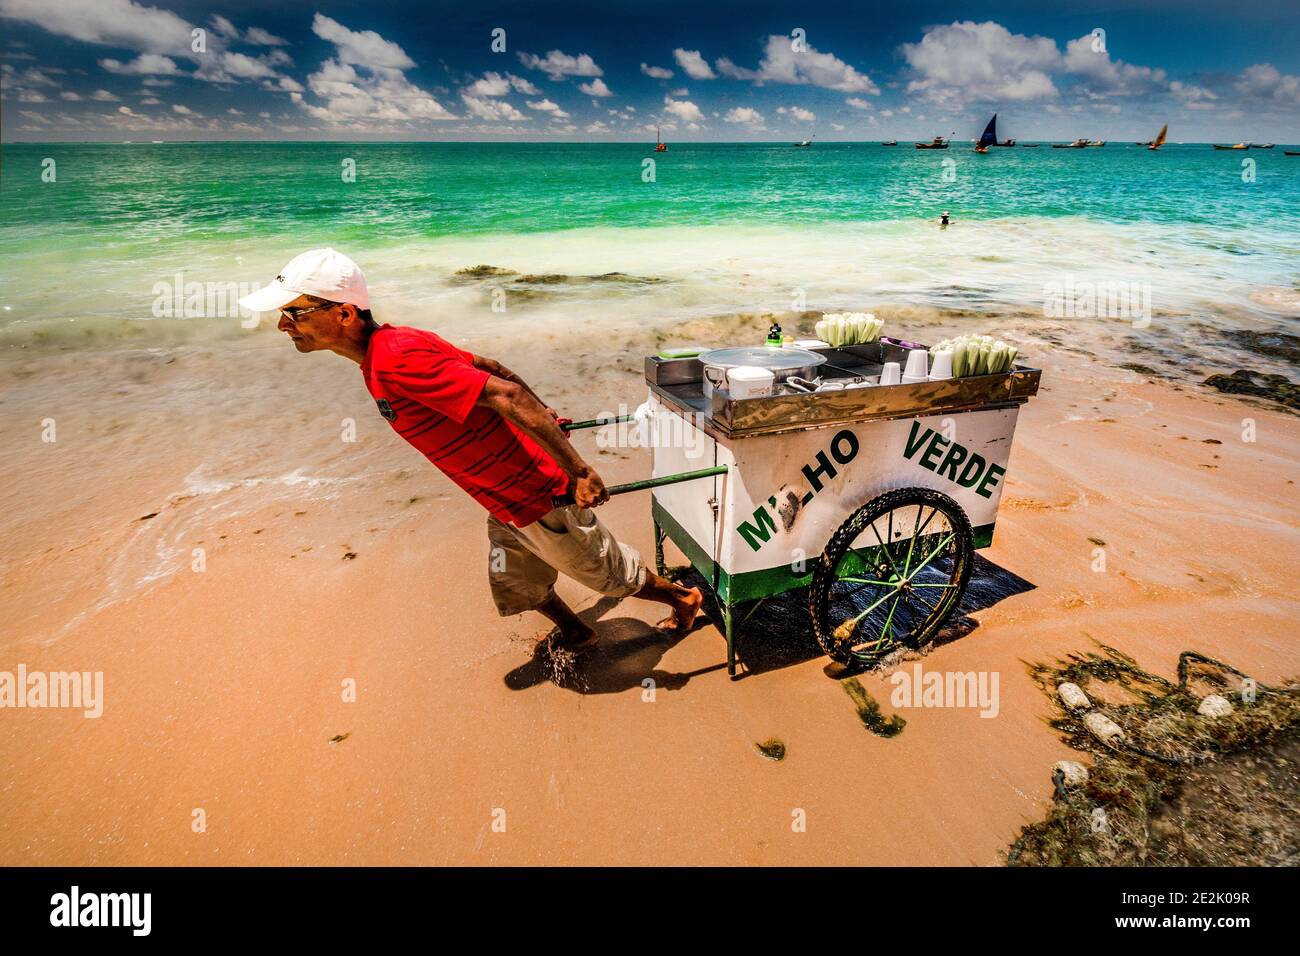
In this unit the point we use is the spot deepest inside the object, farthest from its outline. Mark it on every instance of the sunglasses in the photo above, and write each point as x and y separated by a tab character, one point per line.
293	315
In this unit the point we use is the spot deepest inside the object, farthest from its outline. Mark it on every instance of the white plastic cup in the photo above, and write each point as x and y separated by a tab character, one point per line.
890	373
917	368
942	367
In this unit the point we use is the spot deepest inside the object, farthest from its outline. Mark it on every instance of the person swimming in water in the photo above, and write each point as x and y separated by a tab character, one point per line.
943	220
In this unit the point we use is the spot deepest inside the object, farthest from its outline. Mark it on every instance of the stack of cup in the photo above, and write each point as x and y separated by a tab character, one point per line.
917	369
889	374
942	367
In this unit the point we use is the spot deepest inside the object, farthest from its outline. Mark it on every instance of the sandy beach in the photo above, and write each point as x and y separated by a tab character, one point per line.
230	562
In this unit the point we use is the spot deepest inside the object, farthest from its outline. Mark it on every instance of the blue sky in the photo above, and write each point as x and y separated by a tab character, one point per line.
122	69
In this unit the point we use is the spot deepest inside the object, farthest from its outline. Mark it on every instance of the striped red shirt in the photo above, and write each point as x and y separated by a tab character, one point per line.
426	388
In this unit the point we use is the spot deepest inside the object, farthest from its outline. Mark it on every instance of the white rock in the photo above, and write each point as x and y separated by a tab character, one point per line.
1073	697
1075	773
1103	728
1214	705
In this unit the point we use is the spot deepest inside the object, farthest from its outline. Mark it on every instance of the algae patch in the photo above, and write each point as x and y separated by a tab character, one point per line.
1192	786
869	711
773	749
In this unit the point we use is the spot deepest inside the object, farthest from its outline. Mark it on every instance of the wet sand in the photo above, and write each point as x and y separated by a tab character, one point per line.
327	561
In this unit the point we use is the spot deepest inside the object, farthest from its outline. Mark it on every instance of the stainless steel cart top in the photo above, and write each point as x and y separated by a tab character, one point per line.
679	384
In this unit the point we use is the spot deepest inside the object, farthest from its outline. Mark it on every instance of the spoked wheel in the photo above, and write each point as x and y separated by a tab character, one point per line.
890	575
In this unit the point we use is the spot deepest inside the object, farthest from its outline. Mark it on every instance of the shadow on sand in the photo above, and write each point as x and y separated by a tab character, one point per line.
629	652
770	635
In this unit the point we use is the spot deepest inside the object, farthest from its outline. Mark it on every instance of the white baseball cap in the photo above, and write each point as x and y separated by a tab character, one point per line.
324	273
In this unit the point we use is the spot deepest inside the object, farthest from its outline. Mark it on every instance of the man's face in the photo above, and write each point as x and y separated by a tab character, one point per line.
315	324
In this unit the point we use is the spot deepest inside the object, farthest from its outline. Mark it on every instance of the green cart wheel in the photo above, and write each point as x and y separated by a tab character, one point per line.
890	575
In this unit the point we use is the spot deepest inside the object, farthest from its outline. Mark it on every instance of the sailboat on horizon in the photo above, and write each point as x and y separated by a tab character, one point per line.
660	145
989	137
1160	139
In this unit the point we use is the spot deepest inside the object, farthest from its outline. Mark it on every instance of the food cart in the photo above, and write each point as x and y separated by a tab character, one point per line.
872	497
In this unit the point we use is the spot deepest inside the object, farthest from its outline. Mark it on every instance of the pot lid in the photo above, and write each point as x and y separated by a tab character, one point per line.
762	357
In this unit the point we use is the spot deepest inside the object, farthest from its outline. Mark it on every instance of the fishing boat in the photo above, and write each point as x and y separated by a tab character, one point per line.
805	143
1234	146
1289	152
1160	138
1077	144
1096	142
1261	145
989	137
1030	145
937	143
892	142
660	145
1006	142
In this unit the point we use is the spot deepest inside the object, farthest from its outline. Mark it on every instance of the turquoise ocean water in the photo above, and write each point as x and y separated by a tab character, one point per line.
580	234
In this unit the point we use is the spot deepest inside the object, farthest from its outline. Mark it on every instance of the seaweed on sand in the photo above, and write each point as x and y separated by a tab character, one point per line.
773	749
1187	789
869	711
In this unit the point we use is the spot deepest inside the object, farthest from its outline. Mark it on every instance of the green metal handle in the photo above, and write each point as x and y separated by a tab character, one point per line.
559	501
592	423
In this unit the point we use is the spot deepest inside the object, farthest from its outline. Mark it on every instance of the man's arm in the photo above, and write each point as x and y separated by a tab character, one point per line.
513	400
493	367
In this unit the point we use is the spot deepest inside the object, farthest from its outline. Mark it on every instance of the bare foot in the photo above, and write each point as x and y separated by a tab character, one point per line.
685	610
578	637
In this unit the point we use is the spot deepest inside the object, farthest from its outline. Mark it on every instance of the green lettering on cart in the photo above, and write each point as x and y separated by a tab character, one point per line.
977	473
763	531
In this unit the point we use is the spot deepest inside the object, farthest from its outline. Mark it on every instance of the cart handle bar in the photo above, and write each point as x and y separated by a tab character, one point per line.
559	501
592	423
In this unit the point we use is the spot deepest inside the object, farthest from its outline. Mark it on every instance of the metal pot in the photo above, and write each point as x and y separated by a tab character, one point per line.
782	363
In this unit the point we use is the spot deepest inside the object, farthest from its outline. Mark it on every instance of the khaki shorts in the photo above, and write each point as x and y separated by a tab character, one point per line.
523	563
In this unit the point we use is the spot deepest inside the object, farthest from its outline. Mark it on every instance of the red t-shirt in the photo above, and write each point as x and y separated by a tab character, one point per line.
426	388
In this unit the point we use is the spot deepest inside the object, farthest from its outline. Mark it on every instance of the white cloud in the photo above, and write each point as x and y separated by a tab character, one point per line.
183	110
1192	96
858	103
490	84
693	65
259	37
70	96
727	68
231	67
1106	75
557	64
364	48
496	84
382	94
119	23
491	109
103	96
658	72
143	65
224	27
684	110
596	88
548	106
744	114
798	112
967	61
782	64
1264	79
522	85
